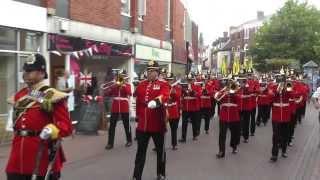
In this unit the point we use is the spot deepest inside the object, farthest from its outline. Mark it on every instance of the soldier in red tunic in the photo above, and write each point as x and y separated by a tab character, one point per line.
281	115
254	88
245	107
173	108
151	95
190	107
41	119
229	117
120	93
263	101
206	103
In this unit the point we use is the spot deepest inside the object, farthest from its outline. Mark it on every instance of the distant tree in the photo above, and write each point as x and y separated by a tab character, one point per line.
292	33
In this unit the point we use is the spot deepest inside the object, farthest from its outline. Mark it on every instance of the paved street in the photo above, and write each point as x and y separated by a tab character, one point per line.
87	158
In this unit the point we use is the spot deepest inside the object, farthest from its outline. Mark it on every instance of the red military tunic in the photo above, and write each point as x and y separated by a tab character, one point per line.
254	88
22	158
264	98
120	94
173	104
205	99
281	111
245	99
151	120
191	99
229	107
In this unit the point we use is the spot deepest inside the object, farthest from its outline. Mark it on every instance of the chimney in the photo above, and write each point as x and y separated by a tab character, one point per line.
225	34
260	15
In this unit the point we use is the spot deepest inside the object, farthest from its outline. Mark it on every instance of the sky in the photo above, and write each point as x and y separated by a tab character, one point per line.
216	16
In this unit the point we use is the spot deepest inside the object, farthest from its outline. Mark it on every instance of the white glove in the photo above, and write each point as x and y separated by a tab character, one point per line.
45	133
152	104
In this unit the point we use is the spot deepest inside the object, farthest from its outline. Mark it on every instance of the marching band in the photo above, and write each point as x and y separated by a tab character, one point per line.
243	102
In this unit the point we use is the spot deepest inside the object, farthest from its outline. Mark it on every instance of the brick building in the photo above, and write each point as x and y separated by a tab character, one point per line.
238	42
93	36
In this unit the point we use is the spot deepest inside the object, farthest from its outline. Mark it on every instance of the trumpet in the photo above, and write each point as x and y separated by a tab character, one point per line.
119	81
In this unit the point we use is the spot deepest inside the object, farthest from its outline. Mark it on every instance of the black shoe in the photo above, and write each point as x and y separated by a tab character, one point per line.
195	139
128	144
290	144
134	178
284	155
182	140
174	148
161	177
245	141
220	155
154	149
207	132
108	147
258	124
273	159
252	134
234	150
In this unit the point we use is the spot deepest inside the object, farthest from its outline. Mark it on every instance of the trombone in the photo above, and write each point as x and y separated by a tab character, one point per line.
119	81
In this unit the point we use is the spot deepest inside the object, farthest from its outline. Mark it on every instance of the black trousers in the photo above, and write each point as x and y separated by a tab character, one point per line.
262	114
113	123
253	120
269	112
213	109
174	123
245	122
280	137
193	116
143	141
13	176
292	125
299	113
235	135
205	113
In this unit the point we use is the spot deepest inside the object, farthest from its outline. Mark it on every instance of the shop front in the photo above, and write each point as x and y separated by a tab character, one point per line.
84	58
143	54
19	37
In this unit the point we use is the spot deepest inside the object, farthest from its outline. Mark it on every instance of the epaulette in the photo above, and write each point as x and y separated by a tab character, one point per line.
55	95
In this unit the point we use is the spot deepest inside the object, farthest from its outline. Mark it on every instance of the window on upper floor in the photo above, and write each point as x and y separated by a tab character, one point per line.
33	2
62	8
246	33
168	14
125	7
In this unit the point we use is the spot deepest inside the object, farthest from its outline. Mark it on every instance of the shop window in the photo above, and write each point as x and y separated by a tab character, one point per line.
62	8
33	2
8	64
30	41
8	39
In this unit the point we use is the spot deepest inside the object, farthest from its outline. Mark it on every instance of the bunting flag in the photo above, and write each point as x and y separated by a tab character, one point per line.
56	53
75	54
224	68
236	65
90	51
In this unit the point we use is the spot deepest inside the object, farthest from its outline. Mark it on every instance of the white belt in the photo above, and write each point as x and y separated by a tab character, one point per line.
245	96
229	105
171	104
205	97
281	104
189	98
121	98
262	95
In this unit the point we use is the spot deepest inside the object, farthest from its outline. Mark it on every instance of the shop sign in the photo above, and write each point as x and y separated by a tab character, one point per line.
151	53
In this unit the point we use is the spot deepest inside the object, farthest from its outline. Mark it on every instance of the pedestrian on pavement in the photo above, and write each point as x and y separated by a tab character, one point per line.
41	119
120	92
229	117
151	95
